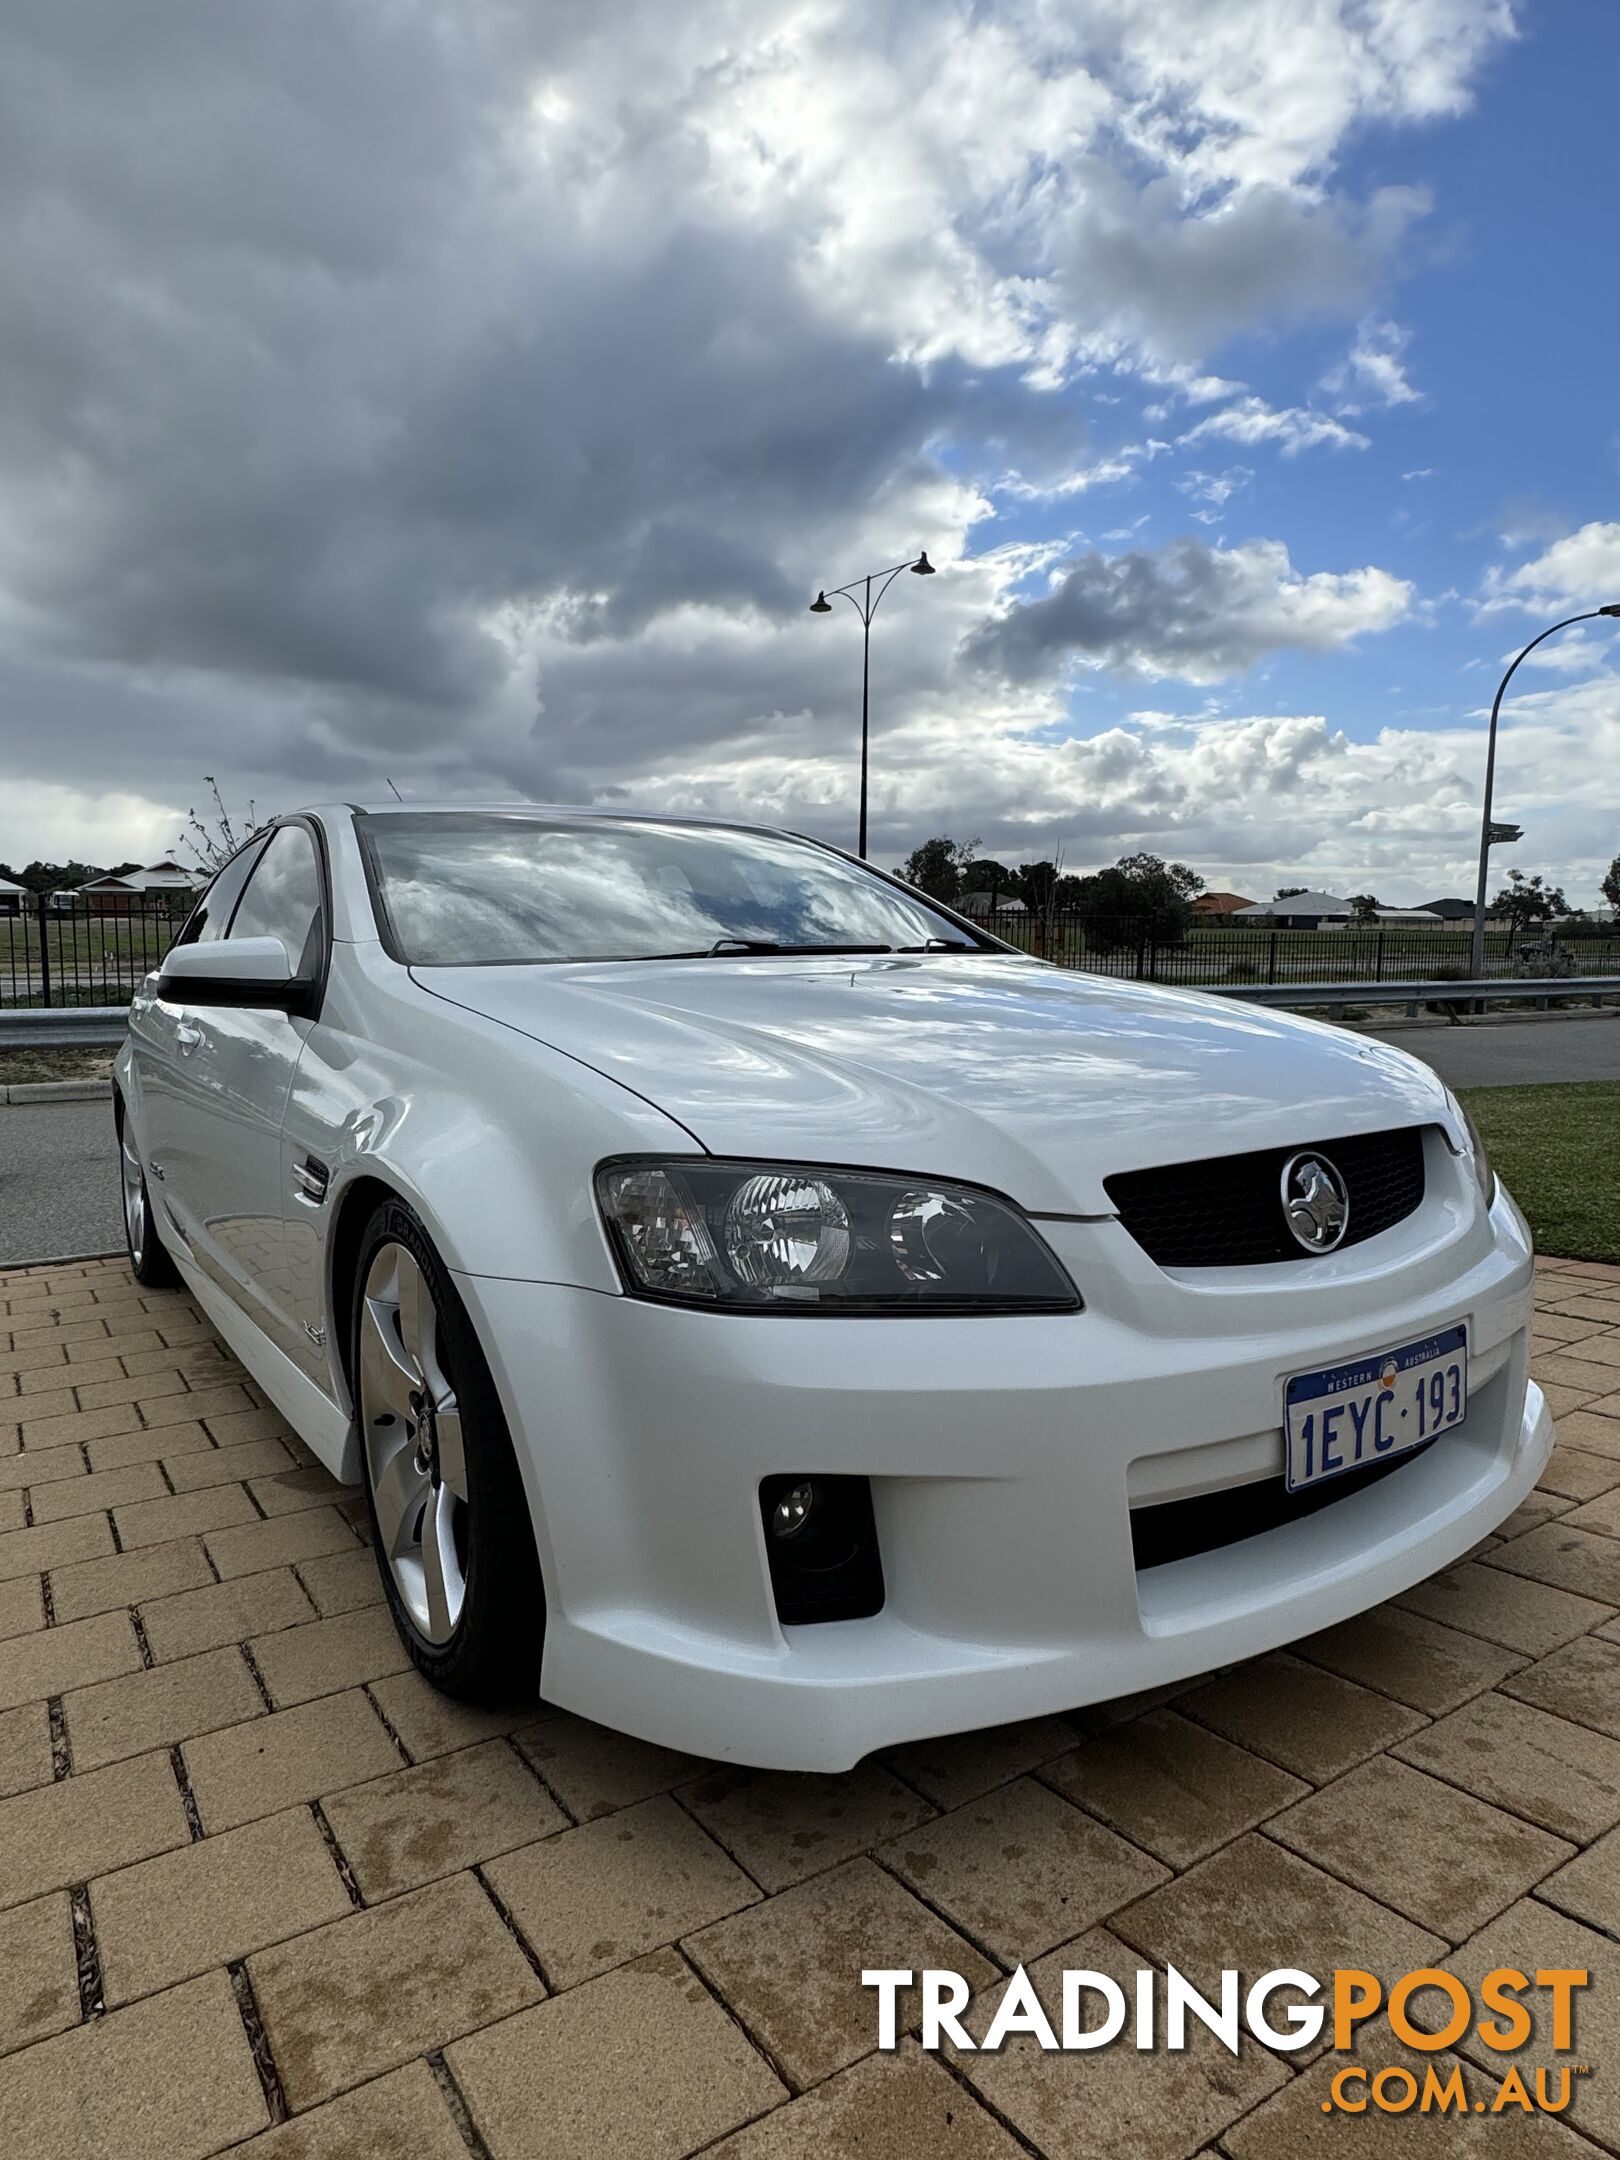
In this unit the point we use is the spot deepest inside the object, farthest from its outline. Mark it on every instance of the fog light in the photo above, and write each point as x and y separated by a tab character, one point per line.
792	1510
821	1547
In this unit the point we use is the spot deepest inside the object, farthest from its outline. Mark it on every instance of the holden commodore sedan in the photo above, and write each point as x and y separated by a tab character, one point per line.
773	1317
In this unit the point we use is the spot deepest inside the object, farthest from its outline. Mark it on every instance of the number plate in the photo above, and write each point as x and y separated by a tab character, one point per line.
1379	1407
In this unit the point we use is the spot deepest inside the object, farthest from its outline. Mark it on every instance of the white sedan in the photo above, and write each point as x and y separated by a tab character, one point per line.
774	1318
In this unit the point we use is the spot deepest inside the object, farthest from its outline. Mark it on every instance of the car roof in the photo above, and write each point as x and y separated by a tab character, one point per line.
389	807
582	813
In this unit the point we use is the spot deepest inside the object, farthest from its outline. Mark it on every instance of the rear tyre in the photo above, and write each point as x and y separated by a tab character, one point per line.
449	1514
148	1256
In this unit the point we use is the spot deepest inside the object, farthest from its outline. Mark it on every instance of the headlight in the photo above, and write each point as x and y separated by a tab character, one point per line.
1484	1175
799	1238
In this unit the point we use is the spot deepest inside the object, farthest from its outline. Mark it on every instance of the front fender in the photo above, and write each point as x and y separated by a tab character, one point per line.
489	1135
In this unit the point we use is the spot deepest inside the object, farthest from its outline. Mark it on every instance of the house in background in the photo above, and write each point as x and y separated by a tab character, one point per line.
1220	906
13	897
132	889
1300	911
1458	914
976	904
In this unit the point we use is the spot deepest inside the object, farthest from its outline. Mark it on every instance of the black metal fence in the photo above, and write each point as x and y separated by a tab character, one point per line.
77	951
84	952
1393	952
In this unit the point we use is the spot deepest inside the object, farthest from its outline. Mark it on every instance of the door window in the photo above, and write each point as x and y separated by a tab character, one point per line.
212	916
283	899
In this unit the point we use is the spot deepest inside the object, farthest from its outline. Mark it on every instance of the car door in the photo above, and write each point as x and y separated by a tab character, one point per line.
214	1122
156	1052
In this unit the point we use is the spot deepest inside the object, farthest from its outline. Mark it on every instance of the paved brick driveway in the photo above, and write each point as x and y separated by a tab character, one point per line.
251	1868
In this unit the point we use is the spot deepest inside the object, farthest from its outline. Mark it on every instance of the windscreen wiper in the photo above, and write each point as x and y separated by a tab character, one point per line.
941	944
744	946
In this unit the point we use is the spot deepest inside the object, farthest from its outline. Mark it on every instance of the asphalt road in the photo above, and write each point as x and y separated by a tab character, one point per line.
1516	1053
58	1182
59	1175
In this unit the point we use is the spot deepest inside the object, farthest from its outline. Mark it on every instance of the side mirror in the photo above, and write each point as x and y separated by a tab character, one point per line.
226	971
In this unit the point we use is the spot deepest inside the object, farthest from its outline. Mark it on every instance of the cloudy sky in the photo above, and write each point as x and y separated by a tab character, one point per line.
476	396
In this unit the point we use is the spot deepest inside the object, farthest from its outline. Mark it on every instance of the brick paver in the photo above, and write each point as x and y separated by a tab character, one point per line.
263	1890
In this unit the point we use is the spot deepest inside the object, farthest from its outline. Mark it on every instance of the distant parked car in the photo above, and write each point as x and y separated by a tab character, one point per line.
772	1316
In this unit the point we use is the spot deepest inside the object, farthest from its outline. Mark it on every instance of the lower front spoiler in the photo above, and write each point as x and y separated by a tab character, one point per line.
832	1694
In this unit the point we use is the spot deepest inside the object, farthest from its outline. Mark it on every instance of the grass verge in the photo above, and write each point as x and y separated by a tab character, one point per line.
83	1064
1557	1149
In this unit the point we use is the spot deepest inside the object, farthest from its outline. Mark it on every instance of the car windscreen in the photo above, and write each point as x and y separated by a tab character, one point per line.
459	888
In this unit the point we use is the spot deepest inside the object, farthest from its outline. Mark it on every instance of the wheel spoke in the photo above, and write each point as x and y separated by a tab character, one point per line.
441	1565
414	1443
388	1377
452	1447
134	1201
415	1309
399	1489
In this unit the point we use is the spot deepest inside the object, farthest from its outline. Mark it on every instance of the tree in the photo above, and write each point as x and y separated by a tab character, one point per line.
1528	899
985	874
1037	882
47	877
1610	888
1287	892
1363	907
1184	882
937	867
213	838
1141	899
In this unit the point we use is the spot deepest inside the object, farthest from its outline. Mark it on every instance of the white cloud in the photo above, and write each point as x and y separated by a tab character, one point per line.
1145	273
1581	570
47	821
1213	490
476	395
1188	610
1122	464
1373	373
1293	429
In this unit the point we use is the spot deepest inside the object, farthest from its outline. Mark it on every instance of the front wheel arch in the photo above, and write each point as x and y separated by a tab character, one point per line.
356	1204
353	1208
494	1647
150	1260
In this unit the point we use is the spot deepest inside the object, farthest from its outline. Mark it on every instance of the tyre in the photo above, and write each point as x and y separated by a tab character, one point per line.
449	1514
148	1256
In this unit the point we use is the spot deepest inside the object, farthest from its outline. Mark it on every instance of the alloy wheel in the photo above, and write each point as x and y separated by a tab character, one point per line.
134	1186
415	1456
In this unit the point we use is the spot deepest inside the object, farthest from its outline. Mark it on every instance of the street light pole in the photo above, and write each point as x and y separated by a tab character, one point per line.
866	607
1476	967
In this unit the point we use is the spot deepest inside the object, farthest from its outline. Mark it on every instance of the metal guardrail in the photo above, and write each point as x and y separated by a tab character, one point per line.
64	1027
1334	996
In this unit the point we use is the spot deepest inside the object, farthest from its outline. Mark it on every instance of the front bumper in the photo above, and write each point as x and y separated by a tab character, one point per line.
1005	1456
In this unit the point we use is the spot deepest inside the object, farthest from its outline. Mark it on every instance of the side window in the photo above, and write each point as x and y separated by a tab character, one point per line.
283	898
212	915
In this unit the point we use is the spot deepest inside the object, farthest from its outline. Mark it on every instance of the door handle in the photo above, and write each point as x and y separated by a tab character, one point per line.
187	1036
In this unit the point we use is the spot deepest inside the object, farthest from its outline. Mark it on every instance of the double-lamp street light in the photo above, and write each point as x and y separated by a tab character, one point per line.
1488	832
858	592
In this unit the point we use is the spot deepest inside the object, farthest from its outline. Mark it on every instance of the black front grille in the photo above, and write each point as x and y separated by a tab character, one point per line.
1177	1529
1226	1211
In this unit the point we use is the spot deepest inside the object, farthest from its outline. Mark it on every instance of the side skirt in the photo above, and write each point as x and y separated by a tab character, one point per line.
318	1422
